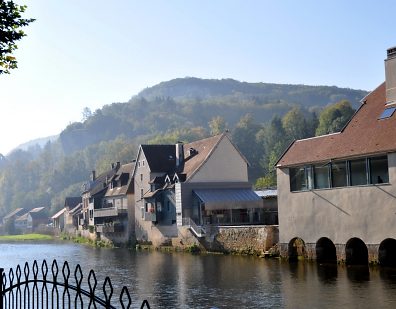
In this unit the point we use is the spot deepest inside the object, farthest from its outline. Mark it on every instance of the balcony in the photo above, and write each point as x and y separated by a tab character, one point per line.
106	212
150	216
109	228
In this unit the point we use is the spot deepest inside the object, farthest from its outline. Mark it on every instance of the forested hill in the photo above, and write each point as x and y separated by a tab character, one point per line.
262	120
218	90
193	102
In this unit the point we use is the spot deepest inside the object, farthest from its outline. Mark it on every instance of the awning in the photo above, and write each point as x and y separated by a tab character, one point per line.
215	199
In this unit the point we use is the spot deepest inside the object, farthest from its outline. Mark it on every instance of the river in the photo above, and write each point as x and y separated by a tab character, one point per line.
181	280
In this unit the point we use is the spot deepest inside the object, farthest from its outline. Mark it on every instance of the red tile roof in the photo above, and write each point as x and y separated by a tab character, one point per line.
364	135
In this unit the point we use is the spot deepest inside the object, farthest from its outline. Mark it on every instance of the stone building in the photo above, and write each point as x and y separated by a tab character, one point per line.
193	185
336	192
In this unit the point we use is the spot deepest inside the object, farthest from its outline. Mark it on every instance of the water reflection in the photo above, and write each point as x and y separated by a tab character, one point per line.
204	281
327	273
358	273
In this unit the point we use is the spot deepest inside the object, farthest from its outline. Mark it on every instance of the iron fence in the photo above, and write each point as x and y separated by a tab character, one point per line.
39	287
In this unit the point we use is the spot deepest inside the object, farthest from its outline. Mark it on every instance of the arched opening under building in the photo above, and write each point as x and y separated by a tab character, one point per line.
325	251
387	253
296	249
356	252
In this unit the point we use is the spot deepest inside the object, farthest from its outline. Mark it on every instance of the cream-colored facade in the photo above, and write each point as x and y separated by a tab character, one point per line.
367	212
224	165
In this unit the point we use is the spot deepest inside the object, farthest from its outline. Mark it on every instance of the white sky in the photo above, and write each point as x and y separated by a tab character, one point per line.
90	53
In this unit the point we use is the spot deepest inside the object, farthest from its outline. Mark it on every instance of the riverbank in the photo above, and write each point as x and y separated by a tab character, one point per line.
25	237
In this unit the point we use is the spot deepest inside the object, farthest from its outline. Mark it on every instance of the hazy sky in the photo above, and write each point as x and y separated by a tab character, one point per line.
90	53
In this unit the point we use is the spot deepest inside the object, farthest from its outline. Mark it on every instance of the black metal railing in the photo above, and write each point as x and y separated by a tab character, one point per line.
41	288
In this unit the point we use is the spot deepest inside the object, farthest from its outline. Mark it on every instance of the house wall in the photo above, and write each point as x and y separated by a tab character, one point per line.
225	164
367	212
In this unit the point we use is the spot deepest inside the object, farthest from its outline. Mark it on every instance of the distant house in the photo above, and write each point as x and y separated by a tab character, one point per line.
31	220
93	194
73	207
336	192
269	212
114	220
12	215
197	184
21	223
58	220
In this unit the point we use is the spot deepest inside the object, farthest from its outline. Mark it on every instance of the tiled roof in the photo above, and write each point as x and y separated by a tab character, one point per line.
126	170
100	183
204	149
14	213
37	209
75	209
364	135
72	201
160	158
59	213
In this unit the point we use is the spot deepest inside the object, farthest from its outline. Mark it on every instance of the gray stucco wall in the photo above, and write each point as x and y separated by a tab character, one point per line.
367	212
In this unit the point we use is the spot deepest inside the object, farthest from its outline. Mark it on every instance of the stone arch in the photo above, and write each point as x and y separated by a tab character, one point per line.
387	252
356	252
296	249
325	251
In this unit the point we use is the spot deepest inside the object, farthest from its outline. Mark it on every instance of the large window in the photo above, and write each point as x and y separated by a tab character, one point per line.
301	178
379	170
322	177
358	172
373	170
339	174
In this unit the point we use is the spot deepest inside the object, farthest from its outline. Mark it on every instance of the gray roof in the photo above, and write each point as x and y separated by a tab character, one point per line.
242	198
267	193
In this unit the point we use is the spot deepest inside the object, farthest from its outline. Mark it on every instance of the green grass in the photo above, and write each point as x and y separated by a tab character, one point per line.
24	237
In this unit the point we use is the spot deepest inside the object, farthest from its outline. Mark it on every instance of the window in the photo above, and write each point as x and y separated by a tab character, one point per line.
358	172
322	179
339	174
141	193
141	177
143	162
379	170
387	113
301	178
372	170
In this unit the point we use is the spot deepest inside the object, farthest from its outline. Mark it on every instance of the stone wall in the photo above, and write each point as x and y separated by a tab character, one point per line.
253	240
256	240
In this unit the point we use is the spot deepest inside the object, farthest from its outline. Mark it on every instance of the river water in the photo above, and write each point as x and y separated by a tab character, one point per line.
181	280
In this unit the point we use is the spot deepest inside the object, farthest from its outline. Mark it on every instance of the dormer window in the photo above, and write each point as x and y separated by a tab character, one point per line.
387	113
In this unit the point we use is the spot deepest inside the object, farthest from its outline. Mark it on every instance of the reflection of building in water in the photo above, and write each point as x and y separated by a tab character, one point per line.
337	192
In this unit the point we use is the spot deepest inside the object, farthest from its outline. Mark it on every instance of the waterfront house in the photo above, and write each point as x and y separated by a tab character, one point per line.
32	220
10	218
269	213
197	184
114	220
58	220
73	206
92	196
336	193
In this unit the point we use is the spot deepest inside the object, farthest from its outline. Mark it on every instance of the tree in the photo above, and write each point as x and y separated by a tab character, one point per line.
11	22
334	117
86	113
295	124
217	125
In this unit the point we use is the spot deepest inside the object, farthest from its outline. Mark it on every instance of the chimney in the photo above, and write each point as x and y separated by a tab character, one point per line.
93	175
390	75
179	154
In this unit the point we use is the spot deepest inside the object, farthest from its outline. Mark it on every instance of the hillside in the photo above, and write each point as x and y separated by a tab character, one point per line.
262	120
193	102
211	90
